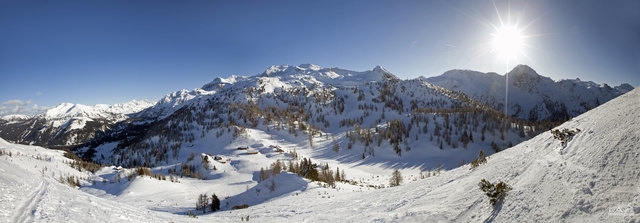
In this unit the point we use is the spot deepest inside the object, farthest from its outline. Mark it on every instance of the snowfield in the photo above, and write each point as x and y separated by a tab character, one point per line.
32	193
595	177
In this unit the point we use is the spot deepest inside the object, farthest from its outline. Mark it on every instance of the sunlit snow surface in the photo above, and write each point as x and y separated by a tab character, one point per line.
594	178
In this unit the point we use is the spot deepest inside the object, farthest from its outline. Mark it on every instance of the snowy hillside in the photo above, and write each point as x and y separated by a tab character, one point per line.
33	182
531	96
171	103
594	177
369	117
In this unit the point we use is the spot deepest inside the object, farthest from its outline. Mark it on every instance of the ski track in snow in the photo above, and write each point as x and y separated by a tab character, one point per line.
28	208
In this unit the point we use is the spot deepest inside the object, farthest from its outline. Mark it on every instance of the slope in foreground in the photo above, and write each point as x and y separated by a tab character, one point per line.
594	178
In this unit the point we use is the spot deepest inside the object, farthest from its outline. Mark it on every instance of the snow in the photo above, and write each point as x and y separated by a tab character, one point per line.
70	110
595	173
594	178
220	82
172	102
531	96
78	123
68	113
14	117
327	76
32	193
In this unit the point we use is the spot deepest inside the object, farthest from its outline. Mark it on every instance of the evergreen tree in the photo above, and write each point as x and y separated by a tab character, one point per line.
215	203
272	186
263	175
396	178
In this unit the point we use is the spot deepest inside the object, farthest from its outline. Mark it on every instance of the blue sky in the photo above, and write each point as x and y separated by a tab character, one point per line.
92	52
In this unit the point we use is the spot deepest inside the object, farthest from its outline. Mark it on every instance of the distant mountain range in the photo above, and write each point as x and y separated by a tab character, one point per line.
373	111
67	124
532	96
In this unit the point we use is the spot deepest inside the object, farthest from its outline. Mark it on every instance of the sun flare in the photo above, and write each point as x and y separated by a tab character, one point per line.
507	42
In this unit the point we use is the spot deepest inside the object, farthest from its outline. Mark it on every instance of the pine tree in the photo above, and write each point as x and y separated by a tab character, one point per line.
480	160
396	178
272	186
495	192
263	175
215	203
291	167
397	149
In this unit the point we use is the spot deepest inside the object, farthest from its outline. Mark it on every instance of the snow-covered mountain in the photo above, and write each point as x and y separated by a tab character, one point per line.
171	103
330	101
116	112
531	96
67	124
373	114
593	177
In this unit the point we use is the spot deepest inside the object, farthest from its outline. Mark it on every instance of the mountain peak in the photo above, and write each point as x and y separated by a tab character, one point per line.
523	69
384	73
276	70
380	69
310	66
219	82
625	87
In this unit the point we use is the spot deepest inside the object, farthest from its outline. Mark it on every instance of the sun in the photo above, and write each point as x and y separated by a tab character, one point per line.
507	42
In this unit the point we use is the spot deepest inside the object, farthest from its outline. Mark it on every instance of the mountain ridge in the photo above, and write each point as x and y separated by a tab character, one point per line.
592	177
312	81
531	96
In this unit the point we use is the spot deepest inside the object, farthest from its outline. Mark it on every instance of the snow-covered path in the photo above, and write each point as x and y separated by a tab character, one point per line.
30	197
25	212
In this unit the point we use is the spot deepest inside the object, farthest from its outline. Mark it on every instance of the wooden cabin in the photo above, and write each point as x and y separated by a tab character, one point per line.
277	149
